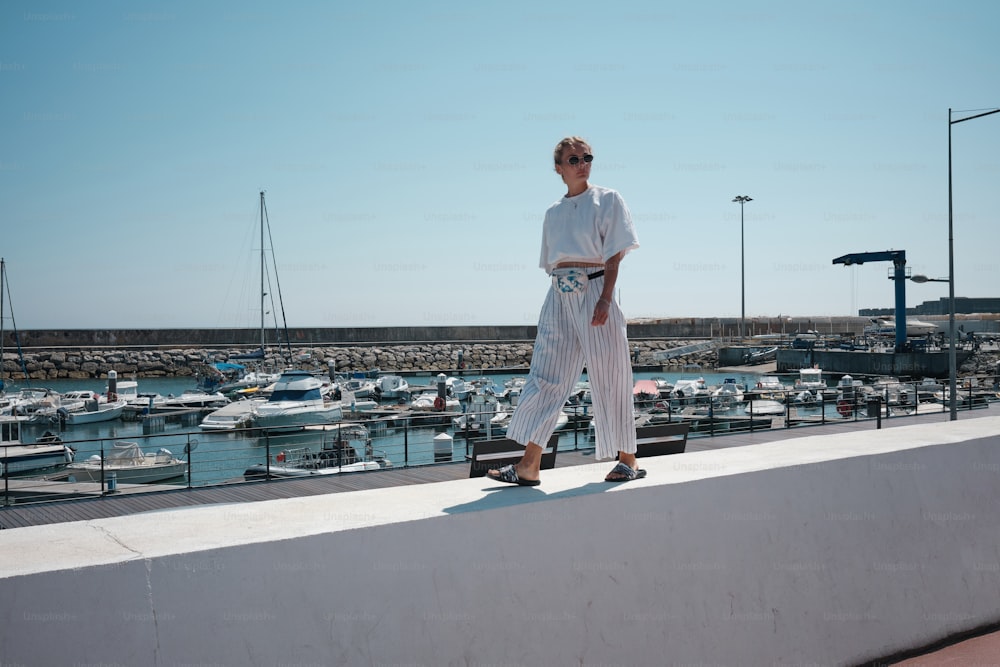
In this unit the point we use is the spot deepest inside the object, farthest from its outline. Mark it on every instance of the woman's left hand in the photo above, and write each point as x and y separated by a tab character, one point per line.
600	313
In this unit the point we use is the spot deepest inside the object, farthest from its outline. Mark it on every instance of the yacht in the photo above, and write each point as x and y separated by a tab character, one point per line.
297	400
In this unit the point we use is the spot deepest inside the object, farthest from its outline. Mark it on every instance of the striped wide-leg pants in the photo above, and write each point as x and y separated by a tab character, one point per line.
567	341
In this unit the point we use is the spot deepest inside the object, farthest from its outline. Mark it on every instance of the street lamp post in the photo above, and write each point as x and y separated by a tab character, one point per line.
742	199
952	364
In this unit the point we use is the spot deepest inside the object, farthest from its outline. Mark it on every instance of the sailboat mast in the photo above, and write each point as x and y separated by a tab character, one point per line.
263	294
3	282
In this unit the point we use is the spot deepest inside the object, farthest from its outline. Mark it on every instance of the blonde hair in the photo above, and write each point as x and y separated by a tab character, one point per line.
566	143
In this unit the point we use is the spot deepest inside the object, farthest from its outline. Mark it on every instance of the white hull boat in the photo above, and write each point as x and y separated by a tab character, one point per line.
80	407
764	407
346	448
238	414
358	387
17	457
297	401
431	401
391	386
194	399
127	463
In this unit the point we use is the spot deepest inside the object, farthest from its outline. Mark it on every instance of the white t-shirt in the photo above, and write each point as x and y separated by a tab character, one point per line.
589	228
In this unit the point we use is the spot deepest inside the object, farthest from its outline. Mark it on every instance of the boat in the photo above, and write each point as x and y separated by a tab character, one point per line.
17	457
128	464
805	397
771	387
914	327
359	387
194	399
249	382
728	394
339	454
562	422
297	401
80	407
391	387
645	391
811	379
756	355
7	402
764	406
128	390
28	400
429	400
232	416
472	423
893	391
459	388
690	389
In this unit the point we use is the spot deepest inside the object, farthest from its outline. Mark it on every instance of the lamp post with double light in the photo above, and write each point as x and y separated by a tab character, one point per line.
741	200
952	365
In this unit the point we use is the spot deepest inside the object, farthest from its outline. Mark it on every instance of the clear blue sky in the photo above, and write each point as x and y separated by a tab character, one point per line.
405	151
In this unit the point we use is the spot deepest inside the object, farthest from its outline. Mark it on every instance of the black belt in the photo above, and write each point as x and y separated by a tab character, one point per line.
595	274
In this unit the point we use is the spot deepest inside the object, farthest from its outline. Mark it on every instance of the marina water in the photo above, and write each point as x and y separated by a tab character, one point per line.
219	457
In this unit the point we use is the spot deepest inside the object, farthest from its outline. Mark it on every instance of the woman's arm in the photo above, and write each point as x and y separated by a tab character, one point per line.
607	294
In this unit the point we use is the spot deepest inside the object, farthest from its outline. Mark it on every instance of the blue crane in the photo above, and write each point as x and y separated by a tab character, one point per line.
898	259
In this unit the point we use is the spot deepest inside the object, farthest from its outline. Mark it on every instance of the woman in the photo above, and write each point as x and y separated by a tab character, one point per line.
585	236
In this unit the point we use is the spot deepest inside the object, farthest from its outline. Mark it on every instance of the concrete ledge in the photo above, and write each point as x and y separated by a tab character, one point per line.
823	550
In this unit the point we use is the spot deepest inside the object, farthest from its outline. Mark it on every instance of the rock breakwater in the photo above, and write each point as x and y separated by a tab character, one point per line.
186	362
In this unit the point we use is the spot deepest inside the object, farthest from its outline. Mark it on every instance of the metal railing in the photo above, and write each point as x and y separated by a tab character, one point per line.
252	455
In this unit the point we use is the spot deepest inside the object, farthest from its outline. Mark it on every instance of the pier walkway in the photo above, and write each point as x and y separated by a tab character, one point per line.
981	649
242	492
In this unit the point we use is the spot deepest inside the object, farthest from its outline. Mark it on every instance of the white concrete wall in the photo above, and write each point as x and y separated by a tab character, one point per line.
825	550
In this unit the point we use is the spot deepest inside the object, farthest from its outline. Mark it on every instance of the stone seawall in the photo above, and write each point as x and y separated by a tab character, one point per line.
465	358
687	327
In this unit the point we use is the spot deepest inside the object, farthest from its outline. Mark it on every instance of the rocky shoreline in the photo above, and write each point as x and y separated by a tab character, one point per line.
185	362
467	358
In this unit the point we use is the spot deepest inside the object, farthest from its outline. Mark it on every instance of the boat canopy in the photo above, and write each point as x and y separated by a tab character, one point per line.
224	366
126	453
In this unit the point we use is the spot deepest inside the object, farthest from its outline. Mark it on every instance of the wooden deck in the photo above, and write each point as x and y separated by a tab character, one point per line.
121	504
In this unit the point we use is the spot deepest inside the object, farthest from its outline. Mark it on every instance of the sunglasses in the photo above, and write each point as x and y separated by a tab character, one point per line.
575	160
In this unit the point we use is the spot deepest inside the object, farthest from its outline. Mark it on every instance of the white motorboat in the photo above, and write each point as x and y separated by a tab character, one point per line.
358	387
28	400
914	327
346	448
459	388
127	463
728	394
690	389
238	414
429	400
764	406
475	423
79	407
297	401
18	457
771	387
811	379
129	391
194	399
93	412
391	386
